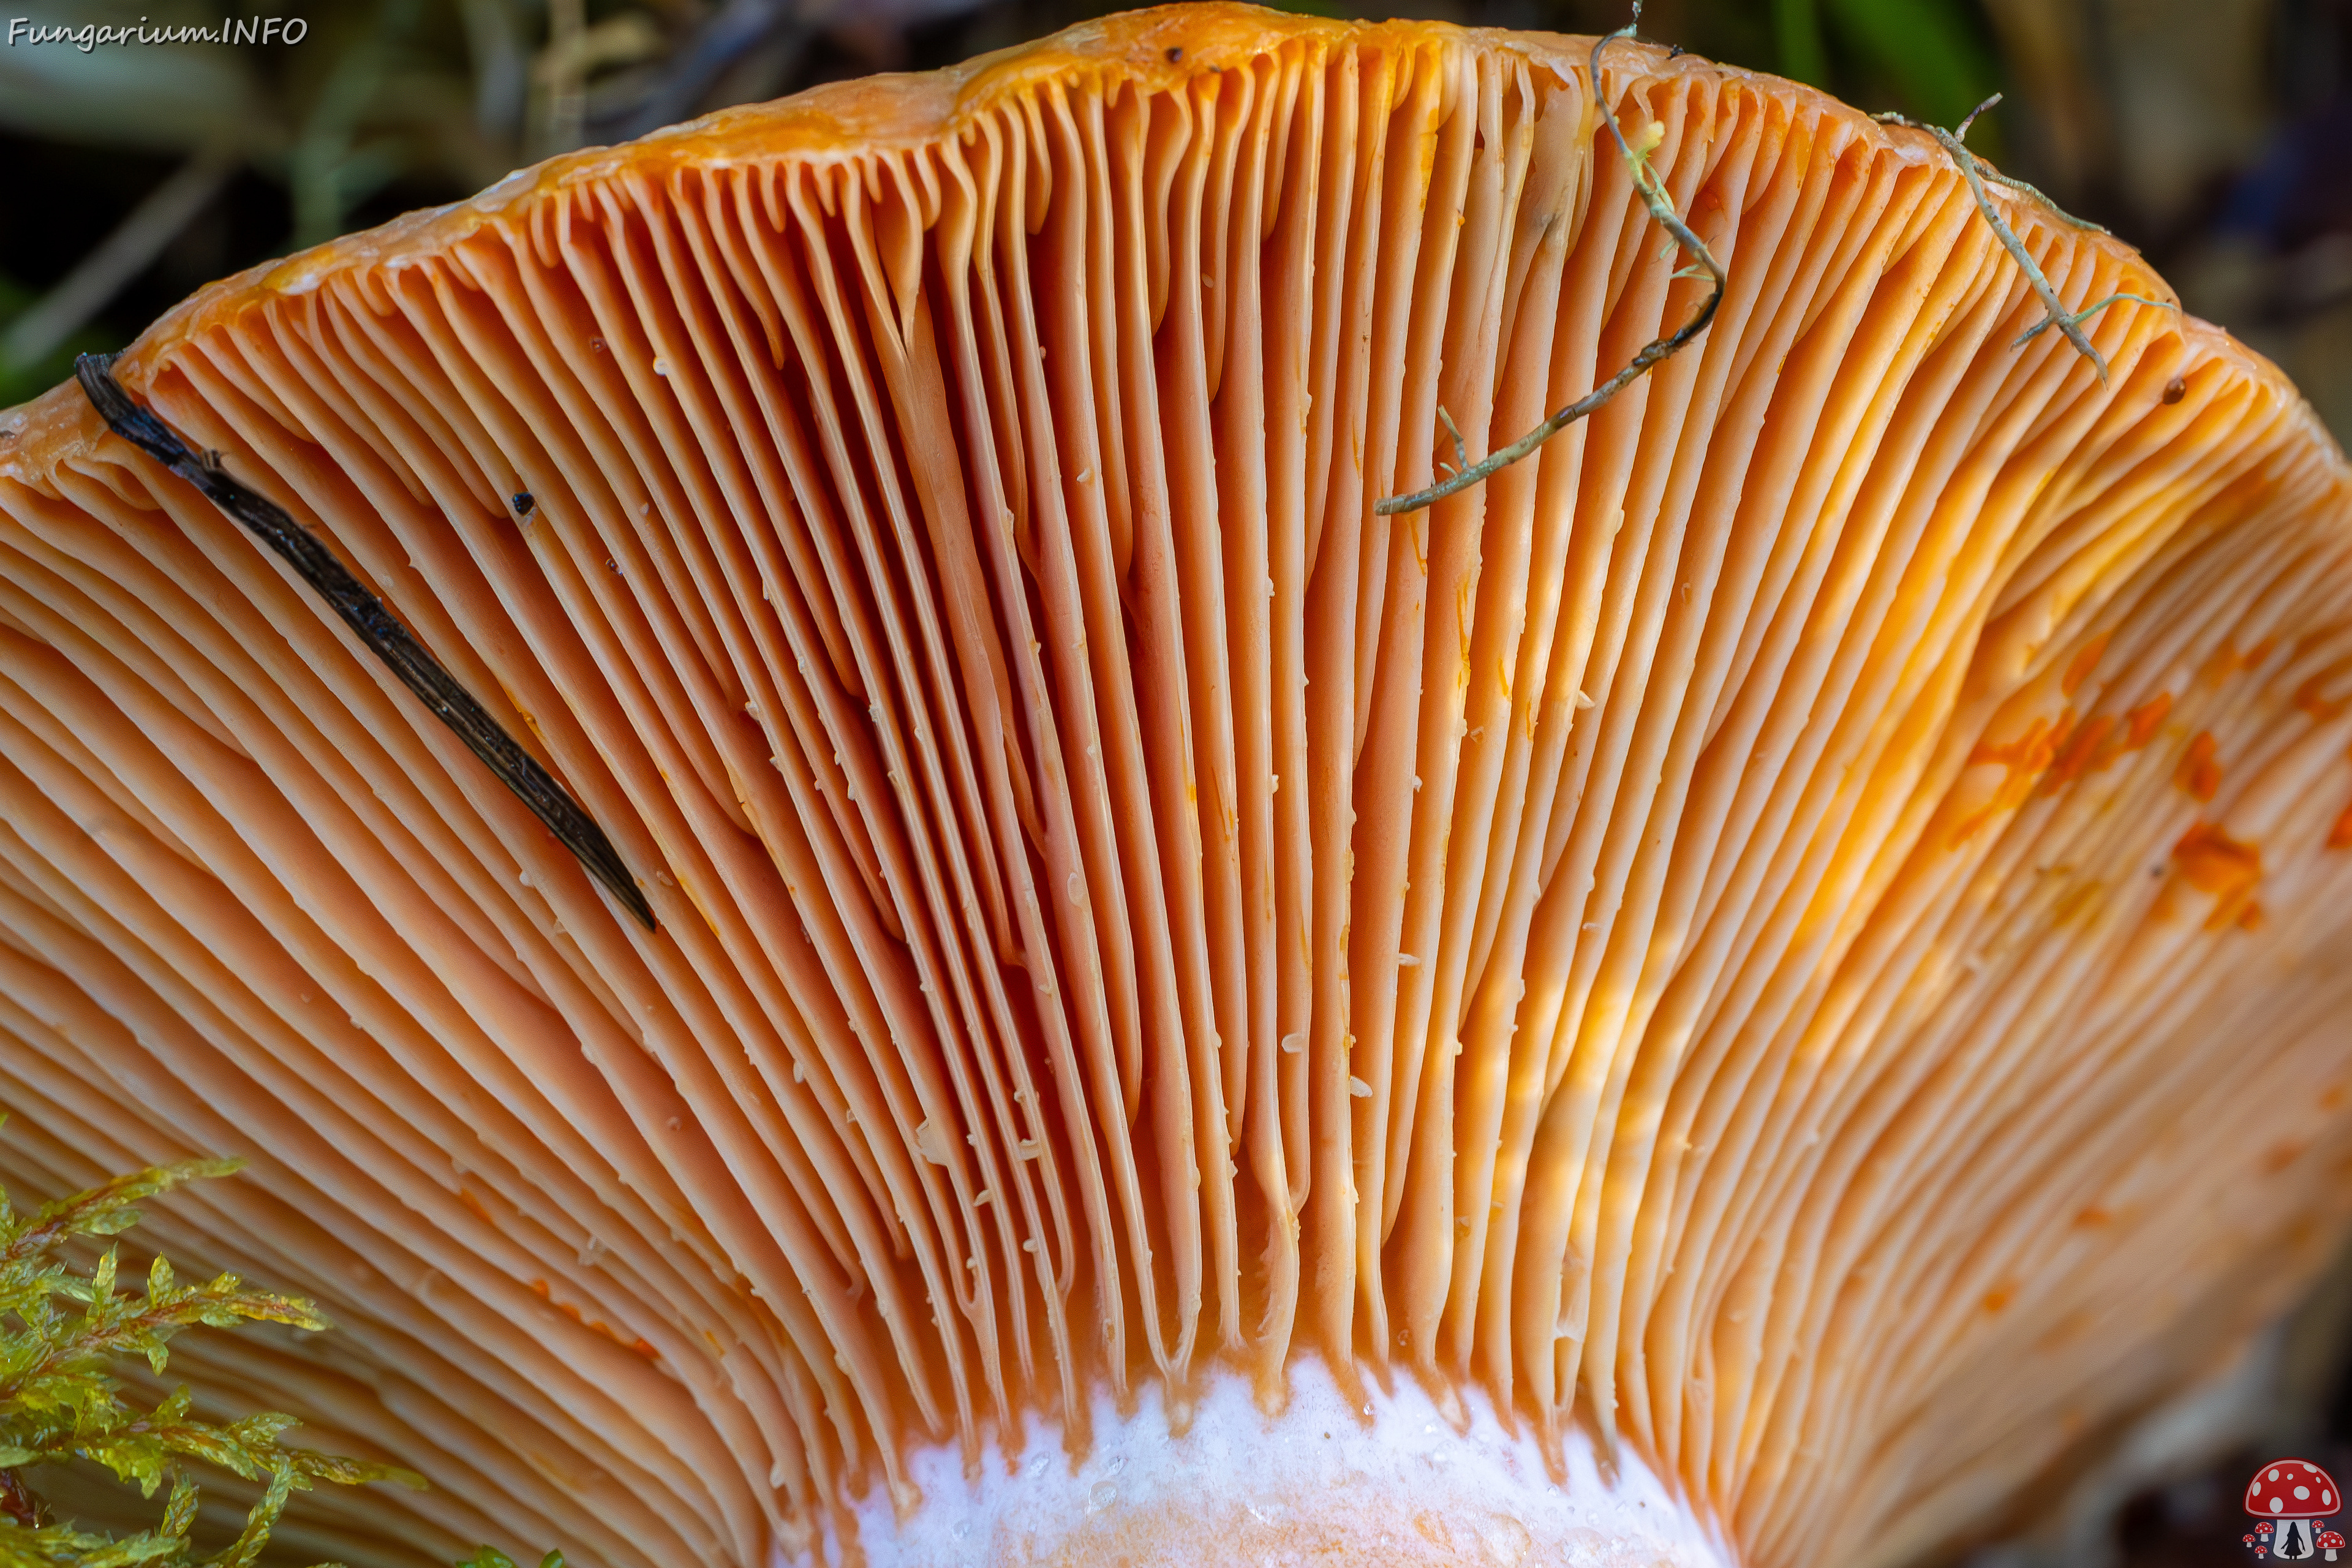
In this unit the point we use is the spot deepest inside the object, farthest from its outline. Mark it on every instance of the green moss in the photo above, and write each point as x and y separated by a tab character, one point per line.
63	1331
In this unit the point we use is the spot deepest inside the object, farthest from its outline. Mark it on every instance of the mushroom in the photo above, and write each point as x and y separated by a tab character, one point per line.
1788	951
2291	1494
2331	1541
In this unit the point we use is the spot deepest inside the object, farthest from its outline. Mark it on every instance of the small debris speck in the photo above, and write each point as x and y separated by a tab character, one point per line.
2176	389
1173	56
523	503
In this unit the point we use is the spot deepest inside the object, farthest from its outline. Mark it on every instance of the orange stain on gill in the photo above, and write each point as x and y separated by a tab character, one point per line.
2145	718
2084	663
2309	700
2199	772
2091	747
2282	1155
2057	754
2027	758
2340	836
2228	662
2218	864
2031	754
642	1347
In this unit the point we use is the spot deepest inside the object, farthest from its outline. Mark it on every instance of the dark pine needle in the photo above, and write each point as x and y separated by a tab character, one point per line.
374	625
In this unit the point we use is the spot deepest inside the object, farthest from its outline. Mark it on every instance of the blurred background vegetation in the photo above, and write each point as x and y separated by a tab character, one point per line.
2215	134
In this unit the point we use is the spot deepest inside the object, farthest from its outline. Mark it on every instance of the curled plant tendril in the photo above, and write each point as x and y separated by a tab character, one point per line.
1974	170
1652	192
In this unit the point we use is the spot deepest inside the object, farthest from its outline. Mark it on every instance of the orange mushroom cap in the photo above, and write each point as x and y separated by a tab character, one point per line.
1803	926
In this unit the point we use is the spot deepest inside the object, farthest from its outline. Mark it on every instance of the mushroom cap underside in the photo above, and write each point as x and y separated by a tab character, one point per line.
1803	925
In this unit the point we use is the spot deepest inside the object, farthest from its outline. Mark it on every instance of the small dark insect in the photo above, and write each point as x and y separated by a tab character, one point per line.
523	503
1174	55
1676	52
2176	389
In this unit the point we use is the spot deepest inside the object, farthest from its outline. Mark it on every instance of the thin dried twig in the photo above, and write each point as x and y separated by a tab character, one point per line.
1652	192
1976	171
374	625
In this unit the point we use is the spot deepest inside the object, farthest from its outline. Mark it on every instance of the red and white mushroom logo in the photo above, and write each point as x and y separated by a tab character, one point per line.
2331	1542
2292	1494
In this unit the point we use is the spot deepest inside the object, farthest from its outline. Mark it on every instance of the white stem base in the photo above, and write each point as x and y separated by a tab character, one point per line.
1320	1485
